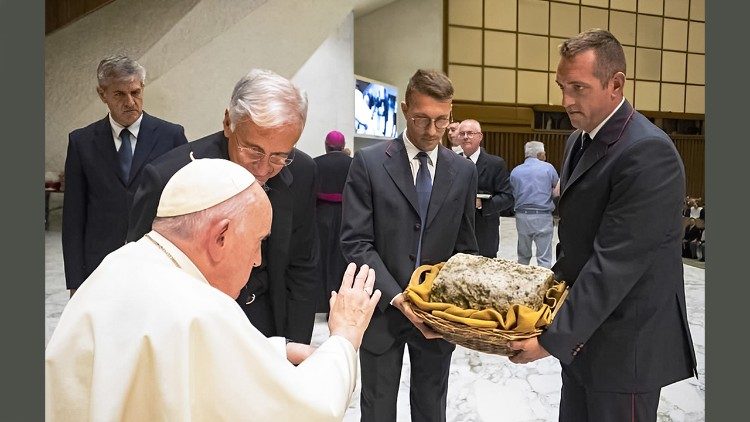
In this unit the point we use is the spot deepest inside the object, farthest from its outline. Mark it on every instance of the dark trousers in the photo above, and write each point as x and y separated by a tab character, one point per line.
487	231
430	365
260	314
578	404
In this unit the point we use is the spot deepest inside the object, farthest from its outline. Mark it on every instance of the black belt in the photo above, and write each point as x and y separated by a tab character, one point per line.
533	212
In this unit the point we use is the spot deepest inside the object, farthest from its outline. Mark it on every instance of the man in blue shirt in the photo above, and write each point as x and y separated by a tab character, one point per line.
534	184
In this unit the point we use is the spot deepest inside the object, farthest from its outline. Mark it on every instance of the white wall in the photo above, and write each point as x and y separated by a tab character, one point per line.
194	51
328	78
392	42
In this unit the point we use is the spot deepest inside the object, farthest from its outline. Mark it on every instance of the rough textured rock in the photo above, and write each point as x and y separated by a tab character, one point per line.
477	282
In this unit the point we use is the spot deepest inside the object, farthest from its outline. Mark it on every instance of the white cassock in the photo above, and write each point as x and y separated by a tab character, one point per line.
144	340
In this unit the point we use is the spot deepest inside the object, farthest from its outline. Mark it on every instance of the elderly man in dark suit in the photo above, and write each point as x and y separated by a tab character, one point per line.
623	332
408	201
494	193
263	122
104	166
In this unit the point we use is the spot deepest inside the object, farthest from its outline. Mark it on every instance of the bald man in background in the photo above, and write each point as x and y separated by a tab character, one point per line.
494	194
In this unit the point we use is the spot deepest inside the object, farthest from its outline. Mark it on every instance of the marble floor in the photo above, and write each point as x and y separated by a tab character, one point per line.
482	387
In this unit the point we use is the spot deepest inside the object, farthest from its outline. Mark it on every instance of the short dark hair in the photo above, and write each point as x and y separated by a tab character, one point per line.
432	83
610	58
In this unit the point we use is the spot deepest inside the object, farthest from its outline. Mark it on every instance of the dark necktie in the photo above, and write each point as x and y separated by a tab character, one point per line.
583	142
125	154
424	189
423	185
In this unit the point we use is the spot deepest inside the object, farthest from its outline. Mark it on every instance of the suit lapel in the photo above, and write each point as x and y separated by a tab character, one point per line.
444	176
604	139
481	162
568	155
282	203
398	168
105	145
144	145
593	153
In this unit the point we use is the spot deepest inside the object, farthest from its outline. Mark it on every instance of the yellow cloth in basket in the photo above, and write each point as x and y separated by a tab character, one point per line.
519	318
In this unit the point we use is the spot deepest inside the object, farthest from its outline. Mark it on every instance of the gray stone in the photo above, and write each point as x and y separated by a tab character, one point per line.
477	282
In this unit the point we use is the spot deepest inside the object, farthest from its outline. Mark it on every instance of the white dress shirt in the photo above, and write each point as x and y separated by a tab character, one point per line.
412	151
133	129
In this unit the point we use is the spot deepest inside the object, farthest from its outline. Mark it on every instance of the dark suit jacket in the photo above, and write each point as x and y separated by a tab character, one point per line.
624	326
692	233
332	170
292	245
493	179
380	224
97	201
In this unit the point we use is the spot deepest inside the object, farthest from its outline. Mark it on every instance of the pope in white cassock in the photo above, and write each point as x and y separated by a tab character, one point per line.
155	333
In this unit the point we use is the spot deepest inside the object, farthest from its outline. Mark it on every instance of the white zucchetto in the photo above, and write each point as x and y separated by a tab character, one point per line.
201	184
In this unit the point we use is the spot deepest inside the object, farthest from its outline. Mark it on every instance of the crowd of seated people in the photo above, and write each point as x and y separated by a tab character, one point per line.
694	241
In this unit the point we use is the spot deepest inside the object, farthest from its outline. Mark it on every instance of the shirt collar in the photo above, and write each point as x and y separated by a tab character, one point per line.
412	150
474	157
596	129
184	262
133	129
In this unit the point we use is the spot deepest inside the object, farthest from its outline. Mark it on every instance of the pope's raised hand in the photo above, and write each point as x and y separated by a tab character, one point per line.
353	305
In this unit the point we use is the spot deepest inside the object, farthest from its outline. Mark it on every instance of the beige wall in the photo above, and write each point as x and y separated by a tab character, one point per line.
194	51
505	51
328	79
391	43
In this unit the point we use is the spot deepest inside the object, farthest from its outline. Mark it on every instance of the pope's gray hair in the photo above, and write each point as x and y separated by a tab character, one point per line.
533	148
268	99
119	67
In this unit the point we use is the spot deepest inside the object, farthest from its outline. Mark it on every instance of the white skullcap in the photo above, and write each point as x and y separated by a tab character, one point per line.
201	184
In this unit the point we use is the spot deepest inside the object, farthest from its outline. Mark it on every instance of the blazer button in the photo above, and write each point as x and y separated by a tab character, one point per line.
417	226
412	257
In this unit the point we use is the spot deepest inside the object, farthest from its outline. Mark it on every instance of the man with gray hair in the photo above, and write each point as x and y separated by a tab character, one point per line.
535	184
262	124
104	166
155	333
494	197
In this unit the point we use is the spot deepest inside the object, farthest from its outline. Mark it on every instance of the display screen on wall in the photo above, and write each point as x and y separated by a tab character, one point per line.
374	109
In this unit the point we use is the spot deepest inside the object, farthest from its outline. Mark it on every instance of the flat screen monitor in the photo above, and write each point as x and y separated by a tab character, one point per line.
375	108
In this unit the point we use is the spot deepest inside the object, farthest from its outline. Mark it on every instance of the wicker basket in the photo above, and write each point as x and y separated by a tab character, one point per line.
486	340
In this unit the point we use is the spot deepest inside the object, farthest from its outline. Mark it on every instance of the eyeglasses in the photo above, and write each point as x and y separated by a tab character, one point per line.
425	122
256	154
468	134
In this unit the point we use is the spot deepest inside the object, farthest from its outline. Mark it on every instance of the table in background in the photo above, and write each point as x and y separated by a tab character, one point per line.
47	192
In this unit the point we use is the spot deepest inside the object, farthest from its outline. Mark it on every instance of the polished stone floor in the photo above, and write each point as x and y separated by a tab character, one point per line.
482	387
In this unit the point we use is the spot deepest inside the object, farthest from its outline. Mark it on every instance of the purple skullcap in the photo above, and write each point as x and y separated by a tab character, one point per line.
335	139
